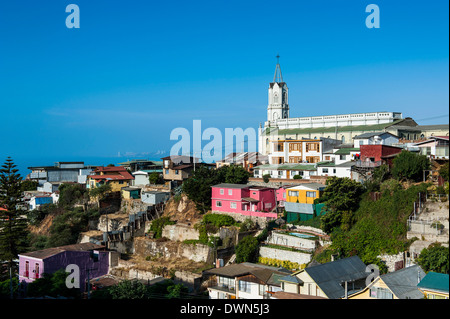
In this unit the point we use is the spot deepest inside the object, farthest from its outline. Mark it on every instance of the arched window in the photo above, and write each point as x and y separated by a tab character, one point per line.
343	139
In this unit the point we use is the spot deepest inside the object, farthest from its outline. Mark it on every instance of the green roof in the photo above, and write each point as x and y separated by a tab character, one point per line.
346	151
435	281
349	128
289	166
327	163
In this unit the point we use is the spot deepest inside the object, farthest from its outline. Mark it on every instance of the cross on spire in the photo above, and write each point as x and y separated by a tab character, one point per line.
277	77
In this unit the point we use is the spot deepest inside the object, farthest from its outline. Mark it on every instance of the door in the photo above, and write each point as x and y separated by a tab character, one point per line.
36	271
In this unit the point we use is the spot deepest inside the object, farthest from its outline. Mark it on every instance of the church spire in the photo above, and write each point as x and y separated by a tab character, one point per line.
278	77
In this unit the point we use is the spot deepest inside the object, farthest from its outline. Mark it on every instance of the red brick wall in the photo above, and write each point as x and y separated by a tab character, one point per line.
377	151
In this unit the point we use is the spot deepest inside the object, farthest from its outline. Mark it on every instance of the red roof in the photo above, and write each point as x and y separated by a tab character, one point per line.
121	173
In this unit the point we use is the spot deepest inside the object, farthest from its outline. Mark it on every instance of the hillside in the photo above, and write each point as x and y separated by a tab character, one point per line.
182	210
378	226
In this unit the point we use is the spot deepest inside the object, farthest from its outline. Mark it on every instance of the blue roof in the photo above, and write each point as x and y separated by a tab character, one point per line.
435	281
44	200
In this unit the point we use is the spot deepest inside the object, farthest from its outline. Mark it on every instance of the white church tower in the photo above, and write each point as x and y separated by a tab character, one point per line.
278	107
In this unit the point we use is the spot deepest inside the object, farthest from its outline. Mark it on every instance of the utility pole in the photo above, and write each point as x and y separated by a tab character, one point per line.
88	285
10	282
346	290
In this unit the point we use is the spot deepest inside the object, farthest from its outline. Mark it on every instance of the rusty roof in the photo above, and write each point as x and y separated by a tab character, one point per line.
45	253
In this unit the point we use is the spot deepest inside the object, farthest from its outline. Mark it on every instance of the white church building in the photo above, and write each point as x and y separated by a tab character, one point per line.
343	127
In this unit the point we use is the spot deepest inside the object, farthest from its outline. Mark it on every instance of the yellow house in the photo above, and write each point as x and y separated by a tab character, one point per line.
400	284
434	286
304	193
116	176
326	280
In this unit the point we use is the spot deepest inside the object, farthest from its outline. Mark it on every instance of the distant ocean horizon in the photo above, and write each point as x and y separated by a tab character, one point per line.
23	163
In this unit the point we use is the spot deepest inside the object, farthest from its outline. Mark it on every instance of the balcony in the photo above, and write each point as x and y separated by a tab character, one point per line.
368	164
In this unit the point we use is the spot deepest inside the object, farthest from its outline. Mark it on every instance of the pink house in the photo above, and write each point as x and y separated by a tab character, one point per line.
251	201
281	195
33	265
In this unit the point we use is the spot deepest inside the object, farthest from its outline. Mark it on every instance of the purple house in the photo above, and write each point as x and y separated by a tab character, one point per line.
88	257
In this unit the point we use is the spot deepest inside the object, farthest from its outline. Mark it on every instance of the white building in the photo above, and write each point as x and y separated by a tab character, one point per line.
244	281
375	138
286	171
154	197
140	178
342	127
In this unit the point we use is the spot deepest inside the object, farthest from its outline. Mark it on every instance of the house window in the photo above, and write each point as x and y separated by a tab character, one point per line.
262	289
293	193
334	170
381	293
230	192
279	147
325	170
295	147
342	157
268	205
176	172
233	205
310	194
167	171
27	269
280	173
225	282
244	286
222	192
36	271
120	182
218	203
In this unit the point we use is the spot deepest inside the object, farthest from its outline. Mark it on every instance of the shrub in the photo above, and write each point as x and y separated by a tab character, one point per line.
247	250
158	226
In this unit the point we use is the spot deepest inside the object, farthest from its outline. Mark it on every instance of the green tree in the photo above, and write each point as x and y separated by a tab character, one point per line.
5	288
13	224
247	250
176	291
128	289
28	185
198	187
443	171
67	227
53	285
410	166
341	198
155	178
233	174
434	258
98	193
71	194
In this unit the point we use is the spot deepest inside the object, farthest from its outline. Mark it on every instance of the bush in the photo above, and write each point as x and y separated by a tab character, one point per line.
410	166
290	265
266	178
297	177
157	226
247	250
218	220
434	258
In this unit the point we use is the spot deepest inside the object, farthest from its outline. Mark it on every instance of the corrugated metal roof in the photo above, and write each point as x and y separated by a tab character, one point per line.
403	282
330	276
45	253
435	281
227	185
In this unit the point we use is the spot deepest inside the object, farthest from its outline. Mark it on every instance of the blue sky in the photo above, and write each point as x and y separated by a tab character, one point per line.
135	70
